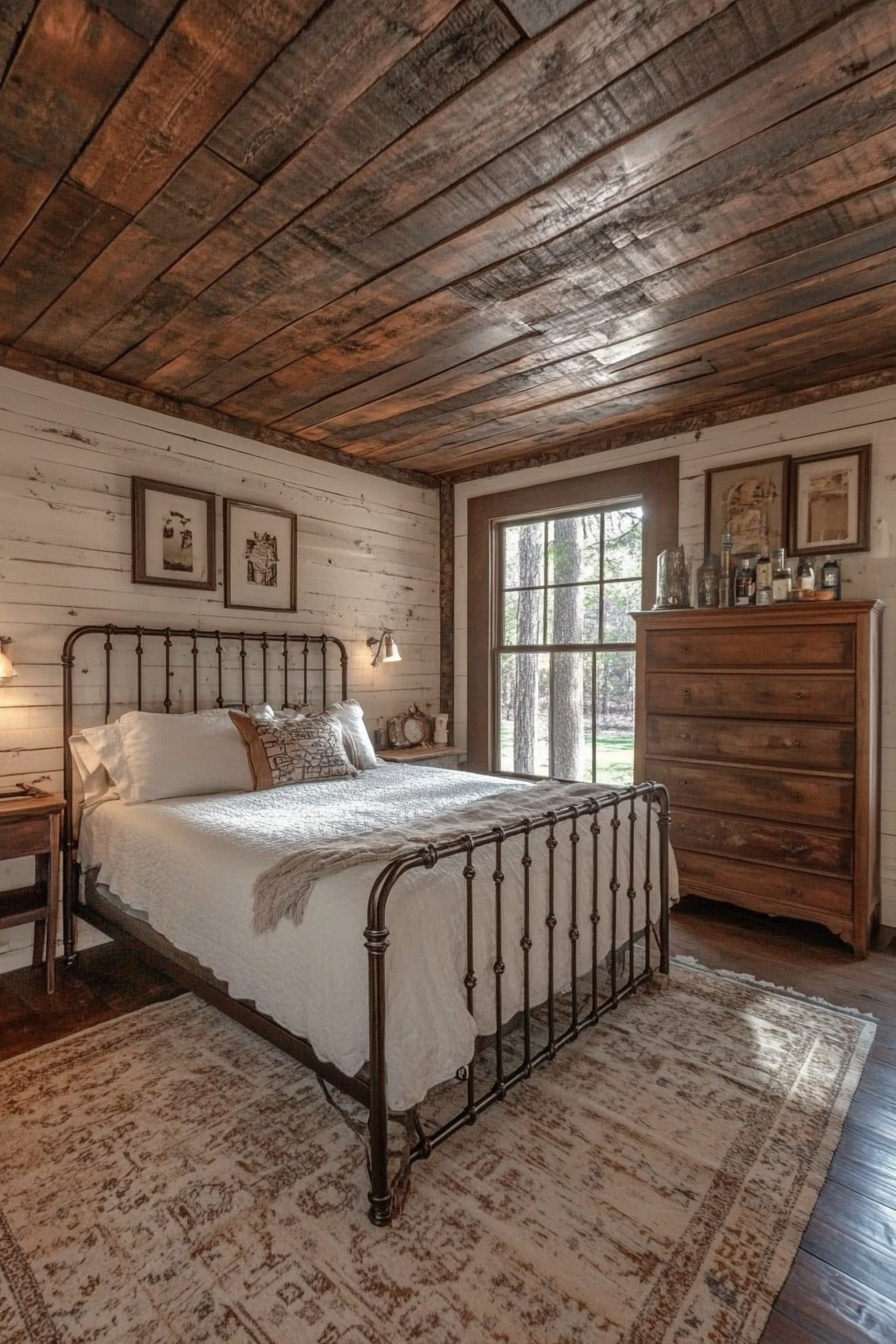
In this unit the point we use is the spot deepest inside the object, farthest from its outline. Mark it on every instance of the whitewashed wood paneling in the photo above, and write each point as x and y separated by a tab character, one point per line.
868	417
367	555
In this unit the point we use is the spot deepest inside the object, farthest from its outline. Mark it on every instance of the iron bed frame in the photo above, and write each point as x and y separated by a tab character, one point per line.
598	985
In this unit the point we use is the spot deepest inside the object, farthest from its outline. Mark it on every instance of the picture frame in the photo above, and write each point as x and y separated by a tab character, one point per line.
172	535
830	502
260	547
751	500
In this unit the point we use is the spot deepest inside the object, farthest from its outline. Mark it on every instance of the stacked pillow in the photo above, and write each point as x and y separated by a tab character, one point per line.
146	756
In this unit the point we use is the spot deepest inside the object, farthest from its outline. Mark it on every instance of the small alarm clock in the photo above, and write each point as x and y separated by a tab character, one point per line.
410	729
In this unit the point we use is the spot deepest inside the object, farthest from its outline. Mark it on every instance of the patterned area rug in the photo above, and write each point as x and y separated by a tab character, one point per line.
169	1177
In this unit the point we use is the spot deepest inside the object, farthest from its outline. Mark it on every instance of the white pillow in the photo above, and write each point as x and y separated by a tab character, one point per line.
355	738
172	755
269	714
94	751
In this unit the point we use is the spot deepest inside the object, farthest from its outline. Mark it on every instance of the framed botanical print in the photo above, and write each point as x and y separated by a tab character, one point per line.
750	502
830	501
172	535
259	557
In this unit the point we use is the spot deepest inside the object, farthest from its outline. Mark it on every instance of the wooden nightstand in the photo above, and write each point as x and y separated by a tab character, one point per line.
30	826
447	758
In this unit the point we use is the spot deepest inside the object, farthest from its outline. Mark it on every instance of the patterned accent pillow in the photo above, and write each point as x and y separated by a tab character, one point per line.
294	751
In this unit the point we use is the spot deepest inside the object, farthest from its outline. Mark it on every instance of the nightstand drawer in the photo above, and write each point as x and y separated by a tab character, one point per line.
22	836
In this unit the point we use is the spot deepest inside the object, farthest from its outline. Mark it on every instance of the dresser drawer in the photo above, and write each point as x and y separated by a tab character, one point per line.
753	696
763	841
762	887
804	746
765	793
791	646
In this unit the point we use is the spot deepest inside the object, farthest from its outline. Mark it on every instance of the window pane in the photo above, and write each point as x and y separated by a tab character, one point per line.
590	613
614	714
510	633
590	532
622	543
524	555
566	611
568	716
565	550
619	600
525	682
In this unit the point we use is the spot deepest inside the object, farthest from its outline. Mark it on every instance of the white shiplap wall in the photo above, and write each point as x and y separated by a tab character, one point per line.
367	556
868	417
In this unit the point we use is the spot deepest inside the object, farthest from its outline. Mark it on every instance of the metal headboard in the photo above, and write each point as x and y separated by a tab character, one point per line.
195	669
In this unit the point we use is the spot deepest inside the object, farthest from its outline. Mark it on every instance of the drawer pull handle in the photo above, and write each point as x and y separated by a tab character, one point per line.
685	648
684	737
795	848
684	783
799	695
791	742
686	693
797	892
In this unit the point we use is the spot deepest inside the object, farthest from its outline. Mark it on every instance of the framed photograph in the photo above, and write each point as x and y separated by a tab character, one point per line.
750	502
259	557
830	502
172	535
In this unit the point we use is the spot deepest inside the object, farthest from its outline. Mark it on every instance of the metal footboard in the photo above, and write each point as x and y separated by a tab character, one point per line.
588	916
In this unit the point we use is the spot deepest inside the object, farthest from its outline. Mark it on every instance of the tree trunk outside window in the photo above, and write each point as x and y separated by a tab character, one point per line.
566	707
525	699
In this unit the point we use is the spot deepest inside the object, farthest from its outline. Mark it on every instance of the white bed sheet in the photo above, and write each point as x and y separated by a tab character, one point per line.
188	865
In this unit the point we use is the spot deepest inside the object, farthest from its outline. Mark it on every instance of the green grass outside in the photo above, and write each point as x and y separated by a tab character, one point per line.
615	755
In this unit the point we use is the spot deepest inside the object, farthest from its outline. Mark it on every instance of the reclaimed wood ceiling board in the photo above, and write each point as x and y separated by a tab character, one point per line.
450	236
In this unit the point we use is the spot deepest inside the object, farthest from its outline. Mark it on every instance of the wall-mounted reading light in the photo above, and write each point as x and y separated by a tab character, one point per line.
7	671
386	649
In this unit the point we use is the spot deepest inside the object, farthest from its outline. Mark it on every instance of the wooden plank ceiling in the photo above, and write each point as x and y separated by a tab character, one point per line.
451	235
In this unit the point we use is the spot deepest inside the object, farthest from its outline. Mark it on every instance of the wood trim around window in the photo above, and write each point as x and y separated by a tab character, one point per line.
654	483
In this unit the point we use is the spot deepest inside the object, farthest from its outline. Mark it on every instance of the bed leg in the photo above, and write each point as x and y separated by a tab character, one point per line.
380	1195
664	821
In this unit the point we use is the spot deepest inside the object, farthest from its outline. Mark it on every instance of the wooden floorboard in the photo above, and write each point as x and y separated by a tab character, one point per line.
842	1287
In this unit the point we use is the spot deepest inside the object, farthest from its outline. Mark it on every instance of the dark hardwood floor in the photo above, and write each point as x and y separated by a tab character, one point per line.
842	1287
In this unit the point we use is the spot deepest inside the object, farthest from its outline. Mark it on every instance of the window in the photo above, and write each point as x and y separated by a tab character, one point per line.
653	484
564	659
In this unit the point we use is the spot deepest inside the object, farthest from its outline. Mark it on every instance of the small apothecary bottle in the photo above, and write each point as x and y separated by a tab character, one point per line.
781	579
763	579
708	583
830	575
805	575
744	584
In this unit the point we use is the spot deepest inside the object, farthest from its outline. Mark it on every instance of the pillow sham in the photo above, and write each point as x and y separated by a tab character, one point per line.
97	753
355	737
150	756
293	751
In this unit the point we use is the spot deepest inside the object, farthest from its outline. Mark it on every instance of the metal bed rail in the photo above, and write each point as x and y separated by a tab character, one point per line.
585	967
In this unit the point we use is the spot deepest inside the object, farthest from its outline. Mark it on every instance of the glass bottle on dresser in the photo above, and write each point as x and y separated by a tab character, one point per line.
830	575
782	581
805	575
744	584
763	578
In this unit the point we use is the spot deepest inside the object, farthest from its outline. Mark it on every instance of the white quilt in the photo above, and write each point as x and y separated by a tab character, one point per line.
188	865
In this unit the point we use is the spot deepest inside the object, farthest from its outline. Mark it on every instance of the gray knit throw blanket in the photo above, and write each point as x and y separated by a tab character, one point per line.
283	891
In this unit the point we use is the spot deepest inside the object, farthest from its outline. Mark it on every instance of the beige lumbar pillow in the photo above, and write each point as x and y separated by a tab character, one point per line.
294	751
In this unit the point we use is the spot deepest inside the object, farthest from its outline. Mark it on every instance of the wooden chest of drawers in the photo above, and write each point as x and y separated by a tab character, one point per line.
764	725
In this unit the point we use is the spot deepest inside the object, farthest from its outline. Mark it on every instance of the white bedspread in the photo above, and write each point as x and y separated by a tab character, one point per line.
188	865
